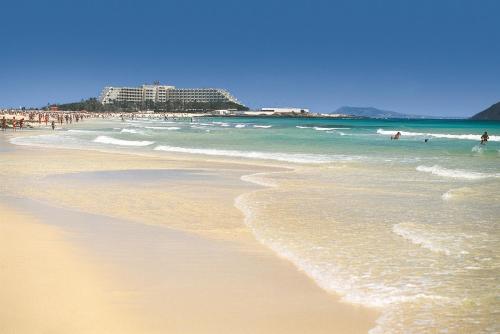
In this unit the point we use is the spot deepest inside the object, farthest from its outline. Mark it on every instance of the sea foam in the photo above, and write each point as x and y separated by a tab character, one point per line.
162	127
437	135
418	237
287	157
81	131
319	128
121	142
129	131
328	276
454	173
447	195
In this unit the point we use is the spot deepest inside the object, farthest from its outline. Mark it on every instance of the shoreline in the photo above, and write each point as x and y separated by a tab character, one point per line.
303	291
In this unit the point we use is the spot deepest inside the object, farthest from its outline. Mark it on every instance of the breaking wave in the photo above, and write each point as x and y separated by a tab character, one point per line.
319	128
129	131
418	237
121	142
437	135
454	173
162	127
287	157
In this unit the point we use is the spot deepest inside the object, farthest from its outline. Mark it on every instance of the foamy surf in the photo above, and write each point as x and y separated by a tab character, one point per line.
223	124
129	131
454	173
458	194
121	142
418	236
447	195
476	137
260	179
168	128
286	157
332	278
477	149
263	126
52	140
81	131
319	128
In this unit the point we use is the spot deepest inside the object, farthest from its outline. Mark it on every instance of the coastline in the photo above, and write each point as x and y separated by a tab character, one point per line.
261	295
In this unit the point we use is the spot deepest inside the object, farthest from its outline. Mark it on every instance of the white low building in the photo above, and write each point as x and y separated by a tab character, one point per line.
256	113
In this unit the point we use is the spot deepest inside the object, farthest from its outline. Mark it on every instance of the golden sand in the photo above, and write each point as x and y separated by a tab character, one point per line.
218	280
46	286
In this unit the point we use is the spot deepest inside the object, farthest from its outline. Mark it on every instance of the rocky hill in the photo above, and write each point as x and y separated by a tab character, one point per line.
490	114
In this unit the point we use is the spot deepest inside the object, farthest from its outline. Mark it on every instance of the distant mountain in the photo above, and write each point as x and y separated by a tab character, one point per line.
490	114
372	112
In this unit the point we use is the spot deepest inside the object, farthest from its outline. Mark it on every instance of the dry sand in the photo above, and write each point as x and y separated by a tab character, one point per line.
46	286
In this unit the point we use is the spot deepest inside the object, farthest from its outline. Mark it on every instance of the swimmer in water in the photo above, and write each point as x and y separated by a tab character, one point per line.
396	136
484	138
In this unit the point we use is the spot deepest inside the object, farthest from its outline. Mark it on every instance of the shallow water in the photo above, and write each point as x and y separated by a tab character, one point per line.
130	176
407	226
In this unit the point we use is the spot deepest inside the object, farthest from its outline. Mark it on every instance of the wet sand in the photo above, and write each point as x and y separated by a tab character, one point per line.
168	253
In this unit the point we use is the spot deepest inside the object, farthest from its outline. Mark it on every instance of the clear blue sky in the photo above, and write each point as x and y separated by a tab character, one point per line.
434	57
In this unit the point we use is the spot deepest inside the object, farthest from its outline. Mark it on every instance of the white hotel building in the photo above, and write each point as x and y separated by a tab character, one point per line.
162	94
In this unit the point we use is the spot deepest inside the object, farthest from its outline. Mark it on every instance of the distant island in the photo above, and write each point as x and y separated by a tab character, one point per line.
490	114
372	112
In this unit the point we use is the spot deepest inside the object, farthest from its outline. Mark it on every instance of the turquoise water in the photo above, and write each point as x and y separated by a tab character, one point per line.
452	143
406	226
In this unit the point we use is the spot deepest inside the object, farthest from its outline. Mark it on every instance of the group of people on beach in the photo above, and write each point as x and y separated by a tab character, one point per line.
15	123
484	137
18	120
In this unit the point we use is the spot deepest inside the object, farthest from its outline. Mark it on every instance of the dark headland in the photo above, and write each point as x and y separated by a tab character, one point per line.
490	114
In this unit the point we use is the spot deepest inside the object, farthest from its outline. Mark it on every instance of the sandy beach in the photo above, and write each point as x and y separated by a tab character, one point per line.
100	242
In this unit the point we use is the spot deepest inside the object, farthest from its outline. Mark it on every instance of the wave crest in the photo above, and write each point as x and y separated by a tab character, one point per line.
163	127
121	142
263	126
454	173
129	131
437	135
415	235
287	157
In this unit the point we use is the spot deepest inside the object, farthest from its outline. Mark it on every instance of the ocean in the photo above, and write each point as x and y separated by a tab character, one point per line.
408	226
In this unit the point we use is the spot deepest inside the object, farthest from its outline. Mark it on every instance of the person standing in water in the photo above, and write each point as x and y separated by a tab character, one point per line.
53	124
396	136
484	138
